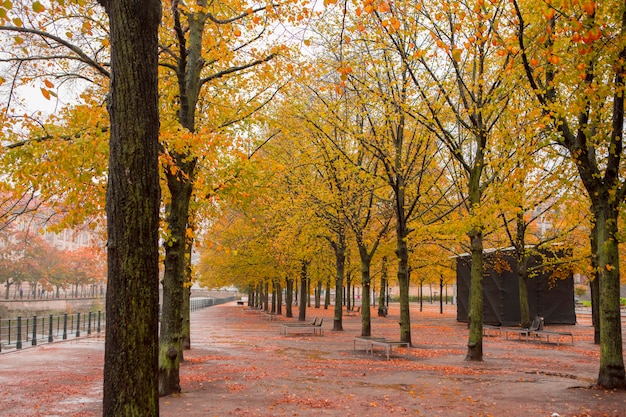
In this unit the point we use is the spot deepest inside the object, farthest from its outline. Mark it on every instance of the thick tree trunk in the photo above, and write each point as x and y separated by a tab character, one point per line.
133	200
611	374
475	342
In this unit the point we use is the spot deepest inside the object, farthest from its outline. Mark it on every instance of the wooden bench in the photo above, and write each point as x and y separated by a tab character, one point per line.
302	327
388	344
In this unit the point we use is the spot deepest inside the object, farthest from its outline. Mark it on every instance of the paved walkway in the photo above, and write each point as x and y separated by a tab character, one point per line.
240	365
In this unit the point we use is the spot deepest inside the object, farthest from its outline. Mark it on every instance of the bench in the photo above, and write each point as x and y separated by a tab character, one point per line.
353	312
271	316
302	327
388	344
526	333
253	309
367	340
240	303
539	334
489	330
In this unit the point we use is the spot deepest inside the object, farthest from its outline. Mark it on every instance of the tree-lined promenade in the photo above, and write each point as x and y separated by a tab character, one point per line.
241	365
358	144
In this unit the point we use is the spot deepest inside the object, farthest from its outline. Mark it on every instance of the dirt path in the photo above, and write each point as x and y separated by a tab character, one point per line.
241	366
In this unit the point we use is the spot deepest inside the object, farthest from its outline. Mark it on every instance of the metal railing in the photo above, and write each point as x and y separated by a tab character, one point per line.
20	332
198	303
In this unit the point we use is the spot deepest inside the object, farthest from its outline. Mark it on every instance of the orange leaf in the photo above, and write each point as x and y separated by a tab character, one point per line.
590	8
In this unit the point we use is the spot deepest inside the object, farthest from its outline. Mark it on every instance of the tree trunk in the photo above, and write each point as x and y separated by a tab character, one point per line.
303	289
366	323
475	342
441	295
339	248
611	374
403	282
327	295
279	298
186	308
308	292
522	277
132	205
318	294
289	298
274	308
382	311
170	342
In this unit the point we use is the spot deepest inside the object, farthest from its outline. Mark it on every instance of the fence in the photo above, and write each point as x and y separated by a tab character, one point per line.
23	331
198	303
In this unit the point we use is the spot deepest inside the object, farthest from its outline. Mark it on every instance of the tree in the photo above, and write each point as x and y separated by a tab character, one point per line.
133	200
450	61
574	59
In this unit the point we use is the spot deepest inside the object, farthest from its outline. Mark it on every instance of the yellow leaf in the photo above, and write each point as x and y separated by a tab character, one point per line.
307	42
38	7
456	54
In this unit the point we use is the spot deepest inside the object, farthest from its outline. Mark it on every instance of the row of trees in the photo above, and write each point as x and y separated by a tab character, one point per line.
214	76
423	117
32	267
464	126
